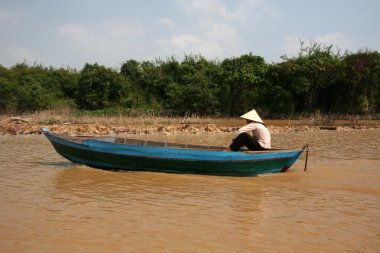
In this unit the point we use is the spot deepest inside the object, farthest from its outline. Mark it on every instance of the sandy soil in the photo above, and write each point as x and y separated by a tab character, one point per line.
85	125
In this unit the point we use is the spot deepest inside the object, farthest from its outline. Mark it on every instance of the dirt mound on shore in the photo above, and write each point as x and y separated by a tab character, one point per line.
17	126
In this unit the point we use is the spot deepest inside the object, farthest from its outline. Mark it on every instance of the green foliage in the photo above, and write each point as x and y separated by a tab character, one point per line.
99	87
241	79
308	75
131	69
318	81
360	80
196	89
30	88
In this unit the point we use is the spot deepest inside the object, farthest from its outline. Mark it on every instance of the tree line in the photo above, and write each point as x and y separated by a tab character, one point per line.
319	79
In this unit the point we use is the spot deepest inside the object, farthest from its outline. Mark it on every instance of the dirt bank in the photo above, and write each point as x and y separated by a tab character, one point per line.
116	126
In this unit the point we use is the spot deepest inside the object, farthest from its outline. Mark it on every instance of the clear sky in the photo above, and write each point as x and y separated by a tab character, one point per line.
70	33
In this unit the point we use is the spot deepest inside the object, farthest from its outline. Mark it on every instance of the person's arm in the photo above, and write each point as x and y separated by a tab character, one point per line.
246	128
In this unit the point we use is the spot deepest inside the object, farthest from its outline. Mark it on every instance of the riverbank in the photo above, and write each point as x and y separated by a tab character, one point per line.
118	125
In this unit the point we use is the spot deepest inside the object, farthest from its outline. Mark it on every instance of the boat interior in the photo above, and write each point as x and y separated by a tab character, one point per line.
137	142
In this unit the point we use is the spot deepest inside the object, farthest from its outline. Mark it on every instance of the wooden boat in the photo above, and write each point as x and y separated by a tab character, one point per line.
137	155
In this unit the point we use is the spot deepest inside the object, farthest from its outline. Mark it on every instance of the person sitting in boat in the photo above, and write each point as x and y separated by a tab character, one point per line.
260	140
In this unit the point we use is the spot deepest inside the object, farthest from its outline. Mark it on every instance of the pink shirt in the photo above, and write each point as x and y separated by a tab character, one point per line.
259	131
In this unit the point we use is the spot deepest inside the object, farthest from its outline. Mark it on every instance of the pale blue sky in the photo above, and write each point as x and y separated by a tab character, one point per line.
109	32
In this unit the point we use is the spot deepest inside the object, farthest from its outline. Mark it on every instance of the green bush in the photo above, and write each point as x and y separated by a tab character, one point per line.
317	80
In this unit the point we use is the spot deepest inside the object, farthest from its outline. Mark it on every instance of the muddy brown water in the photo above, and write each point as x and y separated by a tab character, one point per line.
48	204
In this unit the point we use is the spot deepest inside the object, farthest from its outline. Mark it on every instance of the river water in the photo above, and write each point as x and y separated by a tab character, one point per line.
48	204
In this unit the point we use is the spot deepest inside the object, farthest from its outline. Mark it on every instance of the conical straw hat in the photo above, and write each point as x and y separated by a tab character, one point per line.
252	115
